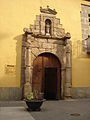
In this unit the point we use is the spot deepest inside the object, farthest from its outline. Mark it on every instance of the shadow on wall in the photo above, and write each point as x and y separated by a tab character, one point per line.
3	36
19	71
14	93
77	50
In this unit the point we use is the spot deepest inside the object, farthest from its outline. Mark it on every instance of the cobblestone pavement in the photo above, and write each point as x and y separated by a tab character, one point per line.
51	110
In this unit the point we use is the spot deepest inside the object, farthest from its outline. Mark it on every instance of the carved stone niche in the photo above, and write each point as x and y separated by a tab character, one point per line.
47	36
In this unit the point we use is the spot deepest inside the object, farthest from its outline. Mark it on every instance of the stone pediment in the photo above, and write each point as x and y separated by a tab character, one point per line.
47	26
48	10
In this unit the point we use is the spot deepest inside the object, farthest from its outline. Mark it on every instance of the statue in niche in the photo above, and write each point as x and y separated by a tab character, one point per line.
48	27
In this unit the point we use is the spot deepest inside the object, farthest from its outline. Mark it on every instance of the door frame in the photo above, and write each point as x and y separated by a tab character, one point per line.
53	62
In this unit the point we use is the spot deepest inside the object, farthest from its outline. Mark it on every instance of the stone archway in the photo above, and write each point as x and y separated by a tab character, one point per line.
35	42
47	75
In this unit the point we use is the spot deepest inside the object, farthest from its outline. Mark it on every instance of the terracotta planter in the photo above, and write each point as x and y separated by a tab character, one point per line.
34	105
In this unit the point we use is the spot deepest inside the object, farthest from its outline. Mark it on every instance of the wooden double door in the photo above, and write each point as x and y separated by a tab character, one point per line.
46	76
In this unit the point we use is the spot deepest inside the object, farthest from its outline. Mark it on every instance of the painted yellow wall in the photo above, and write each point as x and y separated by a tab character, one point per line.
17	14
80	60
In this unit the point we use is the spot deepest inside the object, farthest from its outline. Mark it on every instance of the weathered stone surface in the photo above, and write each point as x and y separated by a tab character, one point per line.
41	50
42	40
67	92
54	51
32	58
29	36
54	42
34	43
35	51
27	74
85	21
47	45
48	11
51	41
81	92
48	50
55	46
37	23
37	30
28	57
27	89
56	22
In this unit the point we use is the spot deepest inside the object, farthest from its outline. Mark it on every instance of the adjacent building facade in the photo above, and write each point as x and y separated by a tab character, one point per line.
51	56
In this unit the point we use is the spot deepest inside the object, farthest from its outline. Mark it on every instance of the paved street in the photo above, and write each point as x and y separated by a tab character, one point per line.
14	113
51	110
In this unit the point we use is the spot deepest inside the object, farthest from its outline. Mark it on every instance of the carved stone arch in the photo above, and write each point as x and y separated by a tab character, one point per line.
36	42
54	53
59	57
62	69
49	52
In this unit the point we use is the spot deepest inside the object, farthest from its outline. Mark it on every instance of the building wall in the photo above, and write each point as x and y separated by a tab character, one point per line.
17	14
85	21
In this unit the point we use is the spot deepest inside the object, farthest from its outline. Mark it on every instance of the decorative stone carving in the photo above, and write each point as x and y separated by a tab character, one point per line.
68	36
48	27
27	86
27	30
57	43
68	81
68	45
48	10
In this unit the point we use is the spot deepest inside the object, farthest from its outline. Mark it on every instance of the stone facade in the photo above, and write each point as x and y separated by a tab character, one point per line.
85	22
85	12
45	37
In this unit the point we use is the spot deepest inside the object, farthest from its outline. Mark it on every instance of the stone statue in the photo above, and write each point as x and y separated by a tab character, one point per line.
48	27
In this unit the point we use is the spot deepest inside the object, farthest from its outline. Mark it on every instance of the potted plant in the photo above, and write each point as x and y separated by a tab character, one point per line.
34	101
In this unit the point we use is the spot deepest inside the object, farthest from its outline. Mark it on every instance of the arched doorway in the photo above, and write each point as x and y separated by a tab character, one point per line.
46	76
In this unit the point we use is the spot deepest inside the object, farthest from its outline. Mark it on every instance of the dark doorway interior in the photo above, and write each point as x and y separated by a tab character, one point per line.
50	87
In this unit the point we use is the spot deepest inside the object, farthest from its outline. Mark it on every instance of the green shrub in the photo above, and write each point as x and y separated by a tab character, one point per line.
30	96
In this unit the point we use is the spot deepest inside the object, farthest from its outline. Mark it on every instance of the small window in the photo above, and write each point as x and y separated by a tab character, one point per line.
48	27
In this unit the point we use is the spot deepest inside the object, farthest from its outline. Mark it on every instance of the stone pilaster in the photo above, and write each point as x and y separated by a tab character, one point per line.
27	86
63	71
68	81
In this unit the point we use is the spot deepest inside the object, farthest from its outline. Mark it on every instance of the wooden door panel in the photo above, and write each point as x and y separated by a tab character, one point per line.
40	63
37	74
